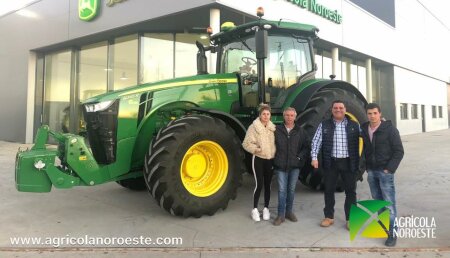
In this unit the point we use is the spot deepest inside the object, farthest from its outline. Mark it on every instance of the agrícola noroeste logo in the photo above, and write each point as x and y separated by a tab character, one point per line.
370	218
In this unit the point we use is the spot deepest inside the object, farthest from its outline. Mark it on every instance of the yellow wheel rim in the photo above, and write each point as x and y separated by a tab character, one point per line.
204	168
353	118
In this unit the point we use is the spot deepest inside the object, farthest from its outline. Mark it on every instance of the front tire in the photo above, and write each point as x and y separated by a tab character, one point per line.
194	166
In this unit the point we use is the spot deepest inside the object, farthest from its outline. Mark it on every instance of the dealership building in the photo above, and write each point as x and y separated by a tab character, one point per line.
56	53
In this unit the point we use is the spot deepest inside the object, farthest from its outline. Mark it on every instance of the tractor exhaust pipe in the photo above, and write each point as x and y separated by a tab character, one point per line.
202	62
261	55
261	45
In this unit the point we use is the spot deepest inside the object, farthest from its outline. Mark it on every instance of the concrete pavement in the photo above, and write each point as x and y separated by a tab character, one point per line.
109	210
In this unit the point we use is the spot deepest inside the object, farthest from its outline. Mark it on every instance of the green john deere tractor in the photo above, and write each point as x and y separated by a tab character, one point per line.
181	138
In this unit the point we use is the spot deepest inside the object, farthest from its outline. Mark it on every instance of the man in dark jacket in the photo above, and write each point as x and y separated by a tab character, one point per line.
383	151
292	148
337	139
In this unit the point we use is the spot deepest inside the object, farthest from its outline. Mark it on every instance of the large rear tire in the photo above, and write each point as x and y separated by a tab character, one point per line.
194	166
317	110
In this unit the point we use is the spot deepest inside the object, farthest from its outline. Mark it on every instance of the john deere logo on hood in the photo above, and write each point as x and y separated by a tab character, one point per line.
87	9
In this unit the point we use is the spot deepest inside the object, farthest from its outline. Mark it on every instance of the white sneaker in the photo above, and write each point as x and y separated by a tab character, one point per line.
266	214
255	214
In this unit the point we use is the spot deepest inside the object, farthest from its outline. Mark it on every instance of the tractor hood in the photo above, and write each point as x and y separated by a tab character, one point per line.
165	84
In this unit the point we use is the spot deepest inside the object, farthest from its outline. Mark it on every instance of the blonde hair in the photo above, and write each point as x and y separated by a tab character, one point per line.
263	107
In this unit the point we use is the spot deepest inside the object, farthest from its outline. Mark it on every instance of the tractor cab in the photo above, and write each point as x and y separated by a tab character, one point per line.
269	57
288	60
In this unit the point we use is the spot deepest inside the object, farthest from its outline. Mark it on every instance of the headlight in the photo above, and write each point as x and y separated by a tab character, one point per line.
98	106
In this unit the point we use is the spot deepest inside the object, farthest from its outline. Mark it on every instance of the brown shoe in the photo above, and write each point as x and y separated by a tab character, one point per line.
278	221
326	222
347	225
291	216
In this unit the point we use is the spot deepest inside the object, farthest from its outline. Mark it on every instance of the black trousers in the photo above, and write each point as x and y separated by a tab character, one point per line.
262	170
339	167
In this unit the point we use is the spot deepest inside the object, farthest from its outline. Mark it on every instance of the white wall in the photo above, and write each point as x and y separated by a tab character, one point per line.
418	42
414	88
422	42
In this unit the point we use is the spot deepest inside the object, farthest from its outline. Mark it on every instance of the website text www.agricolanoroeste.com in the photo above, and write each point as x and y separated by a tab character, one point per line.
91	241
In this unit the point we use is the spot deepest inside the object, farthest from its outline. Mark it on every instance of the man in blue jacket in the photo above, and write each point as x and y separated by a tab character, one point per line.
383	150
292	148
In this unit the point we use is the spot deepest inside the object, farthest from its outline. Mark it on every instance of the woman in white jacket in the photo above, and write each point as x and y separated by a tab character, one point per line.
260	141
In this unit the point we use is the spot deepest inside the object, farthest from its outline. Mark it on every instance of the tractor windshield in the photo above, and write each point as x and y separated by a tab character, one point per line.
288	59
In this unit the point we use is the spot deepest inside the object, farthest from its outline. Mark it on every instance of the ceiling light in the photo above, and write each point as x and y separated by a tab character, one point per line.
124	76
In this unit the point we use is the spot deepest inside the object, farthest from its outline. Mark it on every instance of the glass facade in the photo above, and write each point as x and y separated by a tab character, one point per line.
124	62
347	69
318	60
93	71
403	111
362	83
57	72
414	111
74	75
156	57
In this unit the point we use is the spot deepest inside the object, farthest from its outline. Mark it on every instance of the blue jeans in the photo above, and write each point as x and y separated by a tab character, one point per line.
382	188
286	190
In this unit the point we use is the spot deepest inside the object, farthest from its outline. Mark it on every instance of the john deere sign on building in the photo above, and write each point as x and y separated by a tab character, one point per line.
87	9
314	7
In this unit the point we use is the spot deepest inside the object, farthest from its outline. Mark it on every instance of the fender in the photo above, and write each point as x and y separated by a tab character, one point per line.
151	124
234	123
301	96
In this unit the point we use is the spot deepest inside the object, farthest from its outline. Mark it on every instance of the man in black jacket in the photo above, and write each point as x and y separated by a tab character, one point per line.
292	149
383	151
